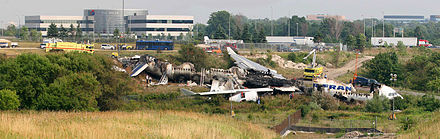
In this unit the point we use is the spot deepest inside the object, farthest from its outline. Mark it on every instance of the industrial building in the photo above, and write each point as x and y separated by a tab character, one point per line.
434	18
105	21
393	41
404	18
42	23
319	17
298	40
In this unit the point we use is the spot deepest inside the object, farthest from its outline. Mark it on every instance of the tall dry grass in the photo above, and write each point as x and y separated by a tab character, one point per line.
425	130
141	124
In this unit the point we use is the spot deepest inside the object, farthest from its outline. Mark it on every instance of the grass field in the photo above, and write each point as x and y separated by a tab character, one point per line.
141	124
426	130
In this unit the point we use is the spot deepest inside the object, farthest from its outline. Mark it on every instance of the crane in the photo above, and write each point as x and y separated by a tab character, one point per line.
314	57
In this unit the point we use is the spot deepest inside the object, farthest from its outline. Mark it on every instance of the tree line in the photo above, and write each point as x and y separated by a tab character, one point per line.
224	25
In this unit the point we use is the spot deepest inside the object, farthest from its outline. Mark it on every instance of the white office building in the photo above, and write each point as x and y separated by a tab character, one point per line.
105	21
42	23
160	25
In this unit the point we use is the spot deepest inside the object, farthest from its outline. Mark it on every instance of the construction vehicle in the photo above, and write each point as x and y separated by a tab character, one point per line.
312	72
70	47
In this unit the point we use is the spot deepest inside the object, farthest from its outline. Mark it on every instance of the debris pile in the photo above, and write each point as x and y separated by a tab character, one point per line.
353	134
287	63
164	71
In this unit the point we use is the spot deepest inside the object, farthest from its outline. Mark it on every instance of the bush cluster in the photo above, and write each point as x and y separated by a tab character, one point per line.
70	81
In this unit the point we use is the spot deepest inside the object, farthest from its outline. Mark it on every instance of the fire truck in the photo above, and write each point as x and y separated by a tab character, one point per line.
70	47
424	43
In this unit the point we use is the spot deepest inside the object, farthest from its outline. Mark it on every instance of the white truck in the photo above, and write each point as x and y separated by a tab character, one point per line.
49	40
392	41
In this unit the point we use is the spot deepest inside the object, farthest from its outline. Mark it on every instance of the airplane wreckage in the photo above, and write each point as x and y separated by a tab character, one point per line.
245	82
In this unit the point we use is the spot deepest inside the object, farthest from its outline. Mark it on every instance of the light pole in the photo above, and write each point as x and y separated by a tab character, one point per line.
383	25
372	27
1	26
229	28
271	21
364	23
19	30
123	21
393	79
288	26
296	29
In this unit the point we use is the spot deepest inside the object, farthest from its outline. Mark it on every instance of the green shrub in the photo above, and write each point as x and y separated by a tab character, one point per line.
325	101
8	100
407	123
315	118
304	110
429	103
377	104
72	92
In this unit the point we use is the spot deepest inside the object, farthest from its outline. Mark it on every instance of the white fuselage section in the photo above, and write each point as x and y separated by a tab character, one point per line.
244	96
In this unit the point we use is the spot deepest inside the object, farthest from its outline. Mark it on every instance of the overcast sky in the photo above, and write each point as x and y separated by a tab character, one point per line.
11	10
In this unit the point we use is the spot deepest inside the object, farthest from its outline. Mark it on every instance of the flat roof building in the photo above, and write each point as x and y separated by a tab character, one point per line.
106	21
172	25
434	18
319	17
42	23
404	18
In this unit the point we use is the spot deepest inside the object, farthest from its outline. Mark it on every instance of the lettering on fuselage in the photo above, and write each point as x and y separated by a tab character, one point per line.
334	87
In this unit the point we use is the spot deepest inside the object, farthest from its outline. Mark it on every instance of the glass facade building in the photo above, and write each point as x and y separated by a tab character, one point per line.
107	20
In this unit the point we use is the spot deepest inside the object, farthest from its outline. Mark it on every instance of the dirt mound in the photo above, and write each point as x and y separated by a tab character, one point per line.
286	63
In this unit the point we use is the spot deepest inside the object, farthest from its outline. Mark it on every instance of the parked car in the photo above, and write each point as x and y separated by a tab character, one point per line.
107	47
43	46
14	44
362	81
286	49
126	47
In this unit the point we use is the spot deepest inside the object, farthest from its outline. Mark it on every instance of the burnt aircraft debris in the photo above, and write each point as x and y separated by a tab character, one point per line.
164	71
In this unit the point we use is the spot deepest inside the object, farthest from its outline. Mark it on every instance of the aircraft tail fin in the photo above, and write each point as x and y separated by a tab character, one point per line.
187	92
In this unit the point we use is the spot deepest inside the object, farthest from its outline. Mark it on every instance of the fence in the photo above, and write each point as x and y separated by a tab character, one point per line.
280	47
294	123
291	120
337	123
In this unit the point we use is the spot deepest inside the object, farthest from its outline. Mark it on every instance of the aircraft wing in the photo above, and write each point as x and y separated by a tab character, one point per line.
138	69
247	64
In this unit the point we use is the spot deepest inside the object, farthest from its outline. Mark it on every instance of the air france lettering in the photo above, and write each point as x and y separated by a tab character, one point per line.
334	87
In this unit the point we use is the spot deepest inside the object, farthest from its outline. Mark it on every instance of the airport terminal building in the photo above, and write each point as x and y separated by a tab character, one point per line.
42	23
105	21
